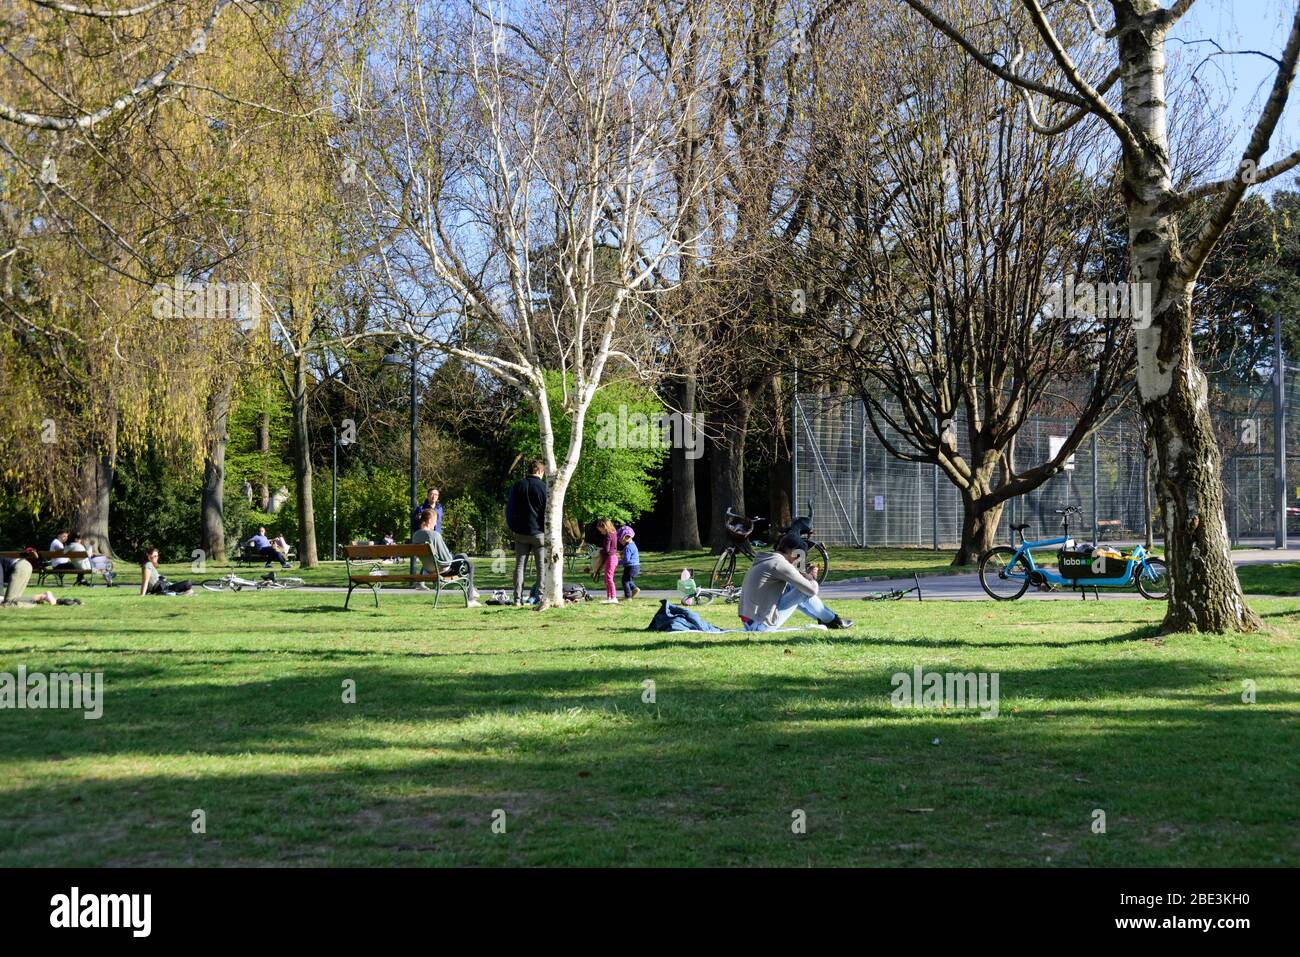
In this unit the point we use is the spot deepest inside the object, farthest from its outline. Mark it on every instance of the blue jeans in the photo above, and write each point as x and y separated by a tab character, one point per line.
791	599
629	572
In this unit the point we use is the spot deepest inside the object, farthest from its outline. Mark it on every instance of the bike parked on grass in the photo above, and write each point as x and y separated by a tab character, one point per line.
1006	572
233	582
740	528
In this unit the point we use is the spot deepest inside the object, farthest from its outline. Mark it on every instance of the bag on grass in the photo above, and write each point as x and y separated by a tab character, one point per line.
576	593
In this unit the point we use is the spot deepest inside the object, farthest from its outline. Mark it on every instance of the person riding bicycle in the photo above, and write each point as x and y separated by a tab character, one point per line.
774	587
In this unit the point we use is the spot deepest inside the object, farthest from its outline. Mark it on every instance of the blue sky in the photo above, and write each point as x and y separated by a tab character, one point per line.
1238	85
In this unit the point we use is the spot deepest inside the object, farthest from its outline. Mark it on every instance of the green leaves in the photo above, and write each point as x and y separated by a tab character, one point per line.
615	479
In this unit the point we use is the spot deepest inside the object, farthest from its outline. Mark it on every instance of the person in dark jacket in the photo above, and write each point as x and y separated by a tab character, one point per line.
526	520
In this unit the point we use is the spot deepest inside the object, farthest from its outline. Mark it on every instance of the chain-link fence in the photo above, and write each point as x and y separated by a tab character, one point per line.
863	495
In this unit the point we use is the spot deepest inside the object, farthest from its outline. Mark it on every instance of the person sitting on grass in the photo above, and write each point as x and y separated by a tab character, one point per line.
262	545
442	557
152	581
631	561
774	587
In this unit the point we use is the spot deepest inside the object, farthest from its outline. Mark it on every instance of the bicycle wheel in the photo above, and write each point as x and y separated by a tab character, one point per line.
818	555
1155	587
1004	575
216	584
723	569
703	598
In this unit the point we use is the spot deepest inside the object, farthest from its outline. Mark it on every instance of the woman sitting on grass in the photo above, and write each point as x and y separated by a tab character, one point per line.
152	581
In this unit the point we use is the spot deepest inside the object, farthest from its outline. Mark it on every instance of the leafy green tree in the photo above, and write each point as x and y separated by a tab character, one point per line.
622	453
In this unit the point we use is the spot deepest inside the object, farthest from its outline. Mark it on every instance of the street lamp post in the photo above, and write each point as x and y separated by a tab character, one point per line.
334	498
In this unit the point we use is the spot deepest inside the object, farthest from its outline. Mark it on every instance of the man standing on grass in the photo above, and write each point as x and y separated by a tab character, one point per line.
526	518
775	586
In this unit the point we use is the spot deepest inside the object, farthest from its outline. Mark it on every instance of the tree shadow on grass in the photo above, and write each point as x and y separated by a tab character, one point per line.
709	774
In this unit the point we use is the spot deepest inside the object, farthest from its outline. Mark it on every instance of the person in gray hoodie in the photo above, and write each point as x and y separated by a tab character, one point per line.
774	587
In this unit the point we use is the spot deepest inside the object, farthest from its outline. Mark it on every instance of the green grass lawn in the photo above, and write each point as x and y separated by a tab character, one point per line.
233	704
1277	579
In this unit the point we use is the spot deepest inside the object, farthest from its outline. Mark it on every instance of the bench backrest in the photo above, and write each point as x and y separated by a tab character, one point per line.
376	552
74	556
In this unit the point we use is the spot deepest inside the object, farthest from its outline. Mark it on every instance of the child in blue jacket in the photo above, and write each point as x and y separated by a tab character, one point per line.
631	561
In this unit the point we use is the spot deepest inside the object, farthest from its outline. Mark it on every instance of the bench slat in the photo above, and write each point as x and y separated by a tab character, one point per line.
370	552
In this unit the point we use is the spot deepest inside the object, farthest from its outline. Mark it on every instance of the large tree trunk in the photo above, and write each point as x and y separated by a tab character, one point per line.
95	482
264	448
1204	592
728	428
302	467
213	529
979	527
686	520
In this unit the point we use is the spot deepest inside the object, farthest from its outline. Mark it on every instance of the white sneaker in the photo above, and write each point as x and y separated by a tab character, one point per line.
421	586
610	601
472	604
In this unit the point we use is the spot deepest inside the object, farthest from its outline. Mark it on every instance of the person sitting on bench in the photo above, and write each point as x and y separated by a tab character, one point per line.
774	587
262	545
457	564
58	544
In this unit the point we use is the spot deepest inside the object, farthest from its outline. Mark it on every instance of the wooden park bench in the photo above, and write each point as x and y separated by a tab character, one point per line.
246	554
372	558
49	570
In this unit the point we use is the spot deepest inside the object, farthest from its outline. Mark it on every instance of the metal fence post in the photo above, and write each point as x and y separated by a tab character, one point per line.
1096	528
862	441
1236	499
794	444
1279	434
934	499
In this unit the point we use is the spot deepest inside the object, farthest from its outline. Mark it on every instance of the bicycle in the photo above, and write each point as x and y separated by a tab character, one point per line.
1006	573
705	596
896	594
270	580
741	527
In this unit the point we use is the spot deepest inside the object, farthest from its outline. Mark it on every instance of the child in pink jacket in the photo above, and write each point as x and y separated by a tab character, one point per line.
609	553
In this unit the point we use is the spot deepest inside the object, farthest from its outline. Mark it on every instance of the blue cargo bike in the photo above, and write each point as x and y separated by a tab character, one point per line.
1006	573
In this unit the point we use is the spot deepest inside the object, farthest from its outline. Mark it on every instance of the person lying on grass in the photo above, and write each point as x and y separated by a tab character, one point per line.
774	587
